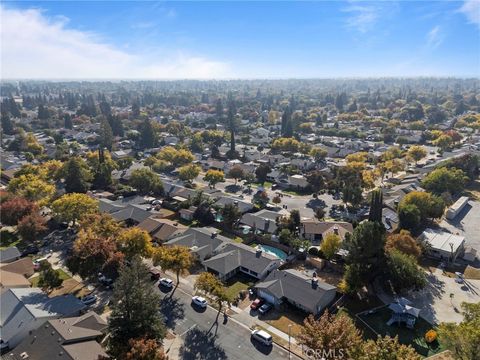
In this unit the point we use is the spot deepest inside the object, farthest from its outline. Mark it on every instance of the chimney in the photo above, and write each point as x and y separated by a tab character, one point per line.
314	280
214	235
335	230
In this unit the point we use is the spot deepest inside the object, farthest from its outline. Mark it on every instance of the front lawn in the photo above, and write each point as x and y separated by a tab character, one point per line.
414	337
282	320
8	238
63	275
238	283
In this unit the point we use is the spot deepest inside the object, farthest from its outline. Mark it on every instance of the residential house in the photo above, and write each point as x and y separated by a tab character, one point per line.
297	181
291	286
162	229
263	221
16	273
9	254
231	257
72	338
242	206
315	230
25	309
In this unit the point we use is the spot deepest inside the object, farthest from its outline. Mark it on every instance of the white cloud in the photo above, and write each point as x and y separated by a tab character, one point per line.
364	16
34	46
434	37
471	9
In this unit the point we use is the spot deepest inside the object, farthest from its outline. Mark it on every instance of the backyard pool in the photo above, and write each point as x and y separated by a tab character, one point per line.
273	251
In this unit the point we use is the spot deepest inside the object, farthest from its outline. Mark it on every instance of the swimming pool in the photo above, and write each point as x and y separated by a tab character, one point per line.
273	251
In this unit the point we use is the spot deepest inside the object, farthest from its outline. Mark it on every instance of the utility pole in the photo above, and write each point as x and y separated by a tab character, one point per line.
289	351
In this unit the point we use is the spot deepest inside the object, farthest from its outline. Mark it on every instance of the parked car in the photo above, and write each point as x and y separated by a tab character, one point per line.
262	336
255	305
165	283
154	274
30	250
89	299
102	279
199	301
265	308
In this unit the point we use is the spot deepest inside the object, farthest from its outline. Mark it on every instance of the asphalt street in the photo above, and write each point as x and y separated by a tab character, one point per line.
206	339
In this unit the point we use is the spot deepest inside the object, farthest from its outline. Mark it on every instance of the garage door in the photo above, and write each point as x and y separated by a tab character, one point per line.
267	297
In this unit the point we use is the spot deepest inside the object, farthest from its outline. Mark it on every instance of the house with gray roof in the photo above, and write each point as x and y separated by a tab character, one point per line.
307	293
263	221
25	309
73	338
9	254
231	258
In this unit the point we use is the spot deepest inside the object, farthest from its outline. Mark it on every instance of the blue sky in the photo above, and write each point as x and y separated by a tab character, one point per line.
239	39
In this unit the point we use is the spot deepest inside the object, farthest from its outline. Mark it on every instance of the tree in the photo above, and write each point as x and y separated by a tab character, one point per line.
262	172
71	207
445	180
33	188
330	245
236	172
463	339
231	214
387	348
135	242
147	135
93	252
319	213
14	209
444	142
403	242
315	180
352	194
416	152
77	175
409	216
403	272
7	125
105	139
189	172
376	206
335	334
428	205
68	124
318	154
213	177
134	309
210	284
30	226
146	181
144	349
174	258
49	278
366	249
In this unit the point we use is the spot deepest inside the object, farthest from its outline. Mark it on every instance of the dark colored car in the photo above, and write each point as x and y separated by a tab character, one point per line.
265	308
154	274
255	305
30	250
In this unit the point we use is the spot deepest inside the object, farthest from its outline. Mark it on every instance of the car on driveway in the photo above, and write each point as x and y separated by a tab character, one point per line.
89	299
265	308
262	336
154	274
255	305
164	282
199	301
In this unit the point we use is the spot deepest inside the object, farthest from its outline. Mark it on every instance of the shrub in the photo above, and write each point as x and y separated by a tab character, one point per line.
430	336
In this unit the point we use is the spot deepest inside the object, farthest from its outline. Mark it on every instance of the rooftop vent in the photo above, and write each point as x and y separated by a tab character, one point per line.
24	355
335	230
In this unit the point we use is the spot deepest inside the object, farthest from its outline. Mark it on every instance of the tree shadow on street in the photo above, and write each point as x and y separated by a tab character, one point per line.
172	310
200	345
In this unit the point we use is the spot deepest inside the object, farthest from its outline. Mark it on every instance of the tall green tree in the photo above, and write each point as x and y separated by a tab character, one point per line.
77	175
146	181
147	135
376	206
105	135
134	309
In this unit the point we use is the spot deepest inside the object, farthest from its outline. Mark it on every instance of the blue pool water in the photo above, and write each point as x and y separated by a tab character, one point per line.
274	251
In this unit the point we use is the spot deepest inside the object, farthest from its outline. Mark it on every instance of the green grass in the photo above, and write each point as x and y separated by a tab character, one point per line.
266	184
237	283
63	275
8	239
414	337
